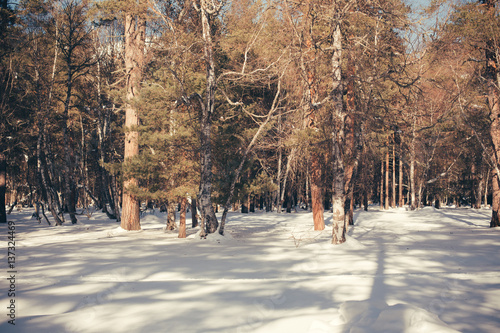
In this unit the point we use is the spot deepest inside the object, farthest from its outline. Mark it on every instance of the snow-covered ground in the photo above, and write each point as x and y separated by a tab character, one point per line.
400	271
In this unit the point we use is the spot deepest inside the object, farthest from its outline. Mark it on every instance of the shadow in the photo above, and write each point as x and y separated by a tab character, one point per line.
85	280
379	289
477	216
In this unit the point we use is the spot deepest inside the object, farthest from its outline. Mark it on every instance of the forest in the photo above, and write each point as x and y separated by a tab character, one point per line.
217	106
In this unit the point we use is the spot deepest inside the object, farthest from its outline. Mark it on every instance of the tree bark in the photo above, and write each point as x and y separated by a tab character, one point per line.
284	190
135	33
412	174
280	157
478	191
208	107
486	179
115	197
495	202
308	62
350	152
338	188
393	201
400	185
317	193
194	212
182	218
69	182
386	196
171	206
381	194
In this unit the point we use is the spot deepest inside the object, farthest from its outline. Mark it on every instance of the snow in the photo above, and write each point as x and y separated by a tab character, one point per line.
399	271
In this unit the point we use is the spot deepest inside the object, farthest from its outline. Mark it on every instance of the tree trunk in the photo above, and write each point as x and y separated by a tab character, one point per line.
69	179
289	201
194	213
182	218
280	157
290	159
400	185
317	193
495	202
412	174
492	76
338	188
351	154
479	192
381	194
205	193
135	32
308	62
115	197
171	207
393	201
307	198
386	196
486	180
351	207
244	207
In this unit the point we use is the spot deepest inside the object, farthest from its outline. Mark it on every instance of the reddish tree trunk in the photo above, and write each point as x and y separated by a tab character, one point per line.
351	154
135	31
317	193
182	219
495	203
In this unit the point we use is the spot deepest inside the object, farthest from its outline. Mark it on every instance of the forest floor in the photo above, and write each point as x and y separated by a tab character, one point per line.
431	270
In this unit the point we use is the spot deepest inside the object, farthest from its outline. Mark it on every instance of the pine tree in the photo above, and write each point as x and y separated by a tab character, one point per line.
135	37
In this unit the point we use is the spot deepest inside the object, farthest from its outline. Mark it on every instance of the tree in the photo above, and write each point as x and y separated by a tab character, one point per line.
74	42
475	27
103	105
7	18
208	11
492	76
39	82
338	135
135	37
